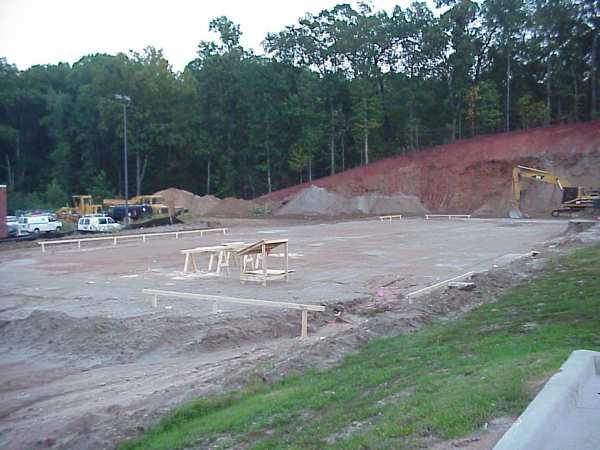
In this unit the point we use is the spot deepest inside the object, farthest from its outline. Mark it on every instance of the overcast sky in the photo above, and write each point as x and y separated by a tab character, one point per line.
49	31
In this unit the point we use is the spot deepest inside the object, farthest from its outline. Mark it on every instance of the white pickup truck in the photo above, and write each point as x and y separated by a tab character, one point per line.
39	223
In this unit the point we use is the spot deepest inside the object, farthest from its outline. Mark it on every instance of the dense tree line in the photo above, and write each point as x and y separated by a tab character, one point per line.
335	90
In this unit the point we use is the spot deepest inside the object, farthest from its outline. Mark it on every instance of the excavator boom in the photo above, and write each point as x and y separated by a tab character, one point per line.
544	176
574	198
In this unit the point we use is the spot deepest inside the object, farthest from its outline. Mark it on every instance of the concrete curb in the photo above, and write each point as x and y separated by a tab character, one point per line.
566	412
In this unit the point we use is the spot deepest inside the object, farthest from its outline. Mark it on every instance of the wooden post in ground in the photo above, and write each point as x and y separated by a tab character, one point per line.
304	330
264	264
186	263
285	250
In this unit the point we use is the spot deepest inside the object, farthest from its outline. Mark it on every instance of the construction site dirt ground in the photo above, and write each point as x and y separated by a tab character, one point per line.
86	360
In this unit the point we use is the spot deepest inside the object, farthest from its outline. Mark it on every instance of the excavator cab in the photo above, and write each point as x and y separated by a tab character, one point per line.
569	194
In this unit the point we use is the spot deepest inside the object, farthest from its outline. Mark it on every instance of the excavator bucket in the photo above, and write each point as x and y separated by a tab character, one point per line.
515	213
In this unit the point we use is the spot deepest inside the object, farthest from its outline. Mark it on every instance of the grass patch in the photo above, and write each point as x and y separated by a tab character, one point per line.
445	380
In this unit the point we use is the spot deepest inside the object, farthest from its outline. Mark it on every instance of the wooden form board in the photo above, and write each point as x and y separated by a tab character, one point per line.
437	285
449	216
143	237
264	248
242	301
390	218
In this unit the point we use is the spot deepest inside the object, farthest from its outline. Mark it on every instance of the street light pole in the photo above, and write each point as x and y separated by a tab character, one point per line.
126	100
125	158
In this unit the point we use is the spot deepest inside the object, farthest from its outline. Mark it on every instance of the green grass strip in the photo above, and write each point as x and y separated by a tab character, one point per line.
445	380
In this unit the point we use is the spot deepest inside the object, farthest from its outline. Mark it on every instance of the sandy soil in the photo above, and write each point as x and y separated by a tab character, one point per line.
87	361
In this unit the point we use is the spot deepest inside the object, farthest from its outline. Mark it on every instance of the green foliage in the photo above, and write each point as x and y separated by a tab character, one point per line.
298	158
53	198
100	188
483	103
443	381
346	78
532	113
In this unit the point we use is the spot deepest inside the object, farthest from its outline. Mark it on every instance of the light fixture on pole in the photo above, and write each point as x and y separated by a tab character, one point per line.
126	101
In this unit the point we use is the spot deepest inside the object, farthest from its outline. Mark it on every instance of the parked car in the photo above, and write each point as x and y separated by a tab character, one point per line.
97	223
39	223
12	225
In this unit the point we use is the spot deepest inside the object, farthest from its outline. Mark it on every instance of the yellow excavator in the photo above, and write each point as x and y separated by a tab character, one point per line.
574	198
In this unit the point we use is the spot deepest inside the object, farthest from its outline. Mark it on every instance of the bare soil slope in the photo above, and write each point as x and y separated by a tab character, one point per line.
474	175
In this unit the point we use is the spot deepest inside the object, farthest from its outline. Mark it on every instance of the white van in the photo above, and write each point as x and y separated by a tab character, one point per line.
39	223
96	223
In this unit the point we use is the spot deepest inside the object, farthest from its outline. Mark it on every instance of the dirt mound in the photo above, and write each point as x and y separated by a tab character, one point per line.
319	201
474	175
196	204
99	340
233	207
53	335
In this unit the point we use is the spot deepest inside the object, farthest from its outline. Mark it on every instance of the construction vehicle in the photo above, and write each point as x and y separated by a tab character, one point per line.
84	204
574	198
108	202
156	202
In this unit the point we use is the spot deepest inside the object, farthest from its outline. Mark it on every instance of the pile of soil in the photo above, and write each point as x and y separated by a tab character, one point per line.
475	175
52	335
196	204
207	205
233	207
319	201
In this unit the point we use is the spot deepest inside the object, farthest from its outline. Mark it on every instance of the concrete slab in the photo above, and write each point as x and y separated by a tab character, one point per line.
566	412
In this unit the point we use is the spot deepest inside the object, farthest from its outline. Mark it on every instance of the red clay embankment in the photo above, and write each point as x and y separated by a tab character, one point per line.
474	175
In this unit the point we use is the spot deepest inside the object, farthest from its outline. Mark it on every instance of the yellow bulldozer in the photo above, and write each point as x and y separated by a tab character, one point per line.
574	198
156	202
82	205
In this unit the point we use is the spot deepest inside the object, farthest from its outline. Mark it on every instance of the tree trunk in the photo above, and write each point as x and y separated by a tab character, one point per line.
575	95
593	73
417	134
342	144
366	131
143	174
269	167
10	177
332	137
508	57
19	166
267	144
310	169
548	91
411	141
138	175
208	176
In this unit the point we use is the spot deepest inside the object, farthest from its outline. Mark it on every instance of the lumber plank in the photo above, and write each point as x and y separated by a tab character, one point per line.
242	301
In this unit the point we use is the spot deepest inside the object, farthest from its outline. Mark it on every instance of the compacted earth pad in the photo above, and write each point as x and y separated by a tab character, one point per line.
86	358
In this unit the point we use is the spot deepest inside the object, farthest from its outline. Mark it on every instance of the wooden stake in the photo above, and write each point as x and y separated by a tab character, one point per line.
285	250
264	264
186	263
304	330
